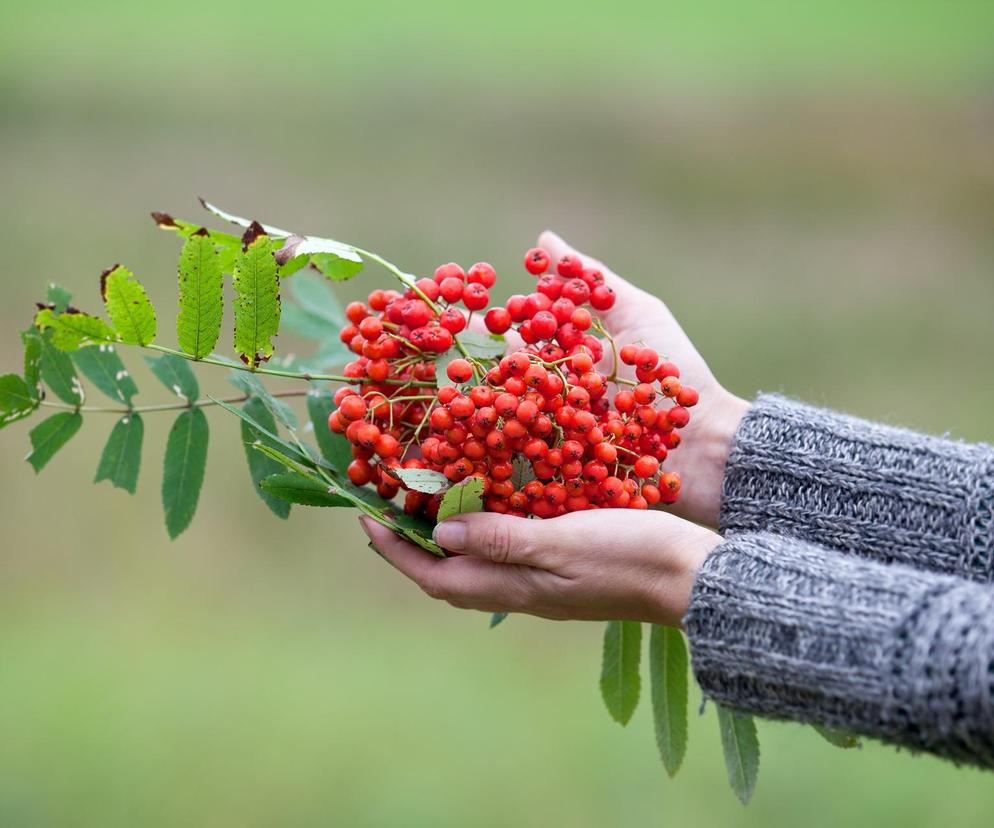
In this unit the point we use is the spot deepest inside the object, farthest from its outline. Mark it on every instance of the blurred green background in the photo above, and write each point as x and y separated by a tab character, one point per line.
811	188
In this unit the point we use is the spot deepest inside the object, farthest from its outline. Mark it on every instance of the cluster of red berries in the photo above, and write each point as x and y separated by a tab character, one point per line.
537	425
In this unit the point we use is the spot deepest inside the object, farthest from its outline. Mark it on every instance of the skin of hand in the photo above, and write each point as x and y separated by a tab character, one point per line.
608	564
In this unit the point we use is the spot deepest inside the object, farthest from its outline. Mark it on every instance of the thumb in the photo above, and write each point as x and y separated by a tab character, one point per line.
630	305
502	539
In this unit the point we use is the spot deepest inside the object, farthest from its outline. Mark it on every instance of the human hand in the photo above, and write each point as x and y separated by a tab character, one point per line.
608	564
638	316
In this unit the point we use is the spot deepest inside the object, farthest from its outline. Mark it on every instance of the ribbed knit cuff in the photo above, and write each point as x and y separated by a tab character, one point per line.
786	629
881	492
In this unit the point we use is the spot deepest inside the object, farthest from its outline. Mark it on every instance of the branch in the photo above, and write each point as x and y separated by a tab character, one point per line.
142	409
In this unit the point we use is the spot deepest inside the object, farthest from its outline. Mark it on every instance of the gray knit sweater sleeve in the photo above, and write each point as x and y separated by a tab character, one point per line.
784	628
879	492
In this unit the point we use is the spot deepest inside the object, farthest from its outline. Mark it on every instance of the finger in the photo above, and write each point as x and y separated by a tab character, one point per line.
413	561
630	305
498	538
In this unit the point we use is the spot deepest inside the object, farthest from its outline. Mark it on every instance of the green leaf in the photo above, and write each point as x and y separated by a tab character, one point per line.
844	739
294	488
102	365
668	671
58	374
335	448
291	266
339	268
497	618
741	748
50	435
482	346
462	498
423	480
620	681
183	472
522	472
128	306
175	373
74	330
16	401
122	456
261	466
32	362
226	244
257	303
252	385
201	303
299	454
58	296
314	311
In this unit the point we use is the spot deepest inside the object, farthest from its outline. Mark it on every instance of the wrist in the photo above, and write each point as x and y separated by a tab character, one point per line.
670	597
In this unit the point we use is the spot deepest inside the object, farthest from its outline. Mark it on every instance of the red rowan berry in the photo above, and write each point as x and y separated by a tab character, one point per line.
355	312
550	286
646	359
452	320
359	472
449	271
475	296
353	408
569	266
515	306
483	274
670	385
544	325
536	261
497	320
678	415
670	482
646	466
459	370
667	369
429	287
602	298
577	291
687	396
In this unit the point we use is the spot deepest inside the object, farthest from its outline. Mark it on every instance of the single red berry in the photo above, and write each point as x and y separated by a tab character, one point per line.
646	359
387	446
646	466
577	291
549	285
670	482
627	354
644	393
429	287
415	313
569	266
355	312
687	396
449	271
667	369
544	325
482	274
602	298
459	370
359	472
353	408
562	309
497	320
516	307
670	385
462	407
452	320
678	416
536	261
371	327
475	296
451	288
581	319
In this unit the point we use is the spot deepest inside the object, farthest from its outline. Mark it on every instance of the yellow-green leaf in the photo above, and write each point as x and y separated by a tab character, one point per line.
201	304
257	300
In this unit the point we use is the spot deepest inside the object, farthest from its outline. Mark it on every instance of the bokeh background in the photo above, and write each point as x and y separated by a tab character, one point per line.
809	185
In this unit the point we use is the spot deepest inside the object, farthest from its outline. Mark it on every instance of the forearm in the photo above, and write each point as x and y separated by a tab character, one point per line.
880	492
786	629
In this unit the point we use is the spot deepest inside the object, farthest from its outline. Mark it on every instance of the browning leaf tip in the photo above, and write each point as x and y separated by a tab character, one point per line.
253	232
164	221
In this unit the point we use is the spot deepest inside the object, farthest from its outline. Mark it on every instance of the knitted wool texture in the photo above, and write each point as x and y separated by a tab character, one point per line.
854	589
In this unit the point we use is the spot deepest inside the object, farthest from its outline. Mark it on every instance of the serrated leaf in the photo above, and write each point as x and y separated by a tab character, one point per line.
422	480
668	673
522	472
462	498
335	448
58	373
58	296
293	488
740	745
32	362
482	346
252	385
51	435
497	618
201	302
176	374
16	401
260	465
102	365
620	680
128	306
257	302
70	331
844	739
122	455
183	470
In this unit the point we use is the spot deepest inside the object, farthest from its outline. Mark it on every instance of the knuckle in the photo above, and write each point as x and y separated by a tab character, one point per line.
498	541
432	587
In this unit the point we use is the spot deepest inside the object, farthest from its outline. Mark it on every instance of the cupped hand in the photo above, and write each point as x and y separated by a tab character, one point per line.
608	564
638	316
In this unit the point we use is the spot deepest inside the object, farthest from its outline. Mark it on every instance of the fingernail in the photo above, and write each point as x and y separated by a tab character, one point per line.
450	534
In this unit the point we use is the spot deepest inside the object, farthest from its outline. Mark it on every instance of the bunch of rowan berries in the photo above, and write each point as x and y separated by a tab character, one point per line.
538	425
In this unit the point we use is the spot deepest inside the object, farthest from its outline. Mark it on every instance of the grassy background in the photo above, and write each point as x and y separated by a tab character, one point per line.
811	188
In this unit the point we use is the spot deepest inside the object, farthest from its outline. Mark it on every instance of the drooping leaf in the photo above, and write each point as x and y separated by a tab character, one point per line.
252	385
257	301
845	739
16	400
122	455
482	346
422	480
295	452
58	373
74	329
32	361
620	681
58	296
128	306
288	268
740	746
462	498
183	472
293	488
668	672
50	435
260	465
336	448
175	373
313	311
102	365
496	618
334	266
201	302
